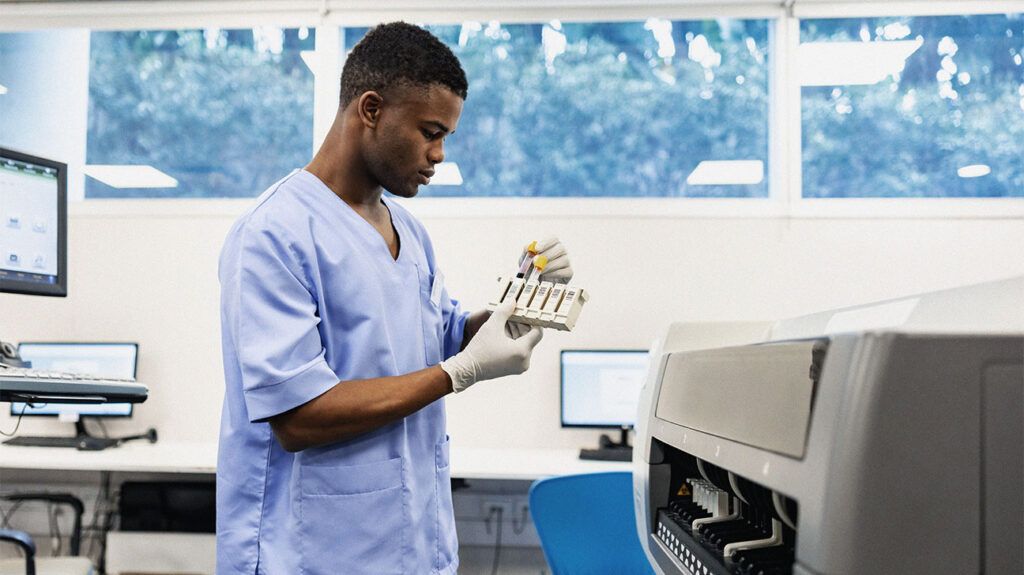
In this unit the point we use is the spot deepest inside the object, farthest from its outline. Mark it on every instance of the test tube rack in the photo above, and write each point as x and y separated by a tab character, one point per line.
544	304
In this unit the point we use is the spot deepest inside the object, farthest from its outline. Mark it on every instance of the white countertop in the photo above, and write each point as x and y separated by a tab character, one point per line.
138	456
522	463
199	457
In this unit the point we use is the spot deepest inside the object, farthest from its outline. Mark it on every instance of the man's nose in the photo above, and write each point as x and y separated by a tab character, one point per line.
436	154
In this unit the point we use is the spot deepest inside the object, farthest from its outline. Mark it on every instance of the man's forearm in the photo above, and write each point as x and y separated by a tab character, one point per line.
352	408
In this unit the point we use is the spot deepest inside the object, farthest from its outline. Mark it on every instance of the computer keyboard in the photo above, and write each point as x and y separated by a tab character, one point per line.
26	373
616	454
81	443
45	386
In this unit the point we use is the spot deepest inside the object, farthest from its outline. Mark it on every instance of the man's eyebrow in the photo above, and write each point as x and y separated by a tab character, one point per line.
438	125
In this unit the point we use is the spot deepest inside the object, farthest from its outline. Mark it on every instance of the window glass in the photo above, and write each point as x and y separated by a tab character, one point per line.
197	113
913	107
44	78
634	109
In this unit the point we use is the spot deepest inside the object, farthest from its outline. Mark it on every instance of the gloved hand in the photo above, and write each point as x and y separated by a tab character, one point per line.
558	269
513	329
516	330
491	353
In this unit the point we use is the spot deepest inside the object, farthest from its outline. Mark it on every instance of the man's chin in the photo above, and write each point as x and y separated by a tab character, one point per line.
409	192
403	192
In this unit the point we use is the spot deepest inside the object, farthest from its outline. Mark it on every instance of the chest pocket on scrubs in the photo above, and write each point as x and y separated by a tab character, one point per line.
431	313
352	519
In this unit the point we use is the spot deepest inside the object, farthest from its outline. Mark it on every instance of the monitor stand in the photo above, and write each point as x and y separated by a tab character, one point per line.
81	441
91	442
609	450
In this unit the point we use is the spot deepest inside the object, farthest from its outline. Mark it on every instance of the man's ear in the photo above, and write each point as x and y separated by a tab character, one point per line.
369	107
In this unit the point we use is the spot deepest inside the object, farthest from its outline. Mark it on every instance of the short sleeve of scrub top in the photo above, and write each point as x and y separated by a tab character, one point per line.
275	327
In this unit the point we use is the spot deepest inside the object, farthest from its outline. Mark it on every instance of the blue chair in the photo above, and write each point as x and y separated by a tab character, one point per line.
586	524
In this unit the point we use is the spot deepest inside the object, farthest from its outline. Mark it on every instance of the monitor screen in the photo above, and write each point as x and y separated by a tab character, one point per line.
33	225
117	360
601	388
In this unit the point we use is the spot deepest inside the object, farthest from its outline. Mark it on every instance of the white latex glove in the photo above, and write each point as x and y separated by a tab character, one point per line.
516	330
558	270
513	329
491	353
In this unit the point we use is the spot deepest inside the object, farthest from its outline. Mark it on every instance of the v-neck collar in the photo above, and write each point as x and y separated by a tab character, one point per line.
394	228
396	223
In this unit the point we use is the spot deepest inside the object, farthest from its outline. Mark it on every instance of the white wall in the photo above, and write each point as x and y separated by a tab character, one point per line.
152	279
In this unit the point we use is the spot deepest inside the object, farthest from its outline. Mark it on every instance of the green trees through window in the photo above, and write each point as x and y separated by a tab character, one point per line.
932	107
225	113
606	109
890	107
610	109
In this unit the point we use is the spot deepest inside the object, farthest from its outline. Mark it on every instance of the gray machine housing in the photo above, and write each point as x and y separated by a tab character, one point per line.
914	454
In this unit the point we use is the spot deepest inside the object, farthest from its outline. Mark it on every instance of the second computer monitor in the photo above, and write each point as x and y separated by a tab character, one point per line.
33	225
601	388
115	360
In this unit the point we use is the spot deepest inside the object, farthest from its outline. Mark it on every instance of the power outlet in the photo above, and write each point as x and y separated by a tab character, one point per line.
507	506
522	510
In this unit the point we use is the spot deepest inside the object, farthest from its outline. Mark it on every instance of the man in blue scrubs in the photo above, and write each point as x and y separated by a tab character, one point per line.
340	340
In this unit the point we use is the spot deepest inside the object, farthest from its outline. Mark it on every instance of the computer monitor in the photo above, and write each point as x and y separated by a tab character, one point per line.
33	225
116	360
601	388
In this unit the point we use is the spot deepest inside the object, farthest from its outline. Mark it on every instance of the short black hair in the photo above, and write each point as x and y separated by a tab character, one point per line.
399	53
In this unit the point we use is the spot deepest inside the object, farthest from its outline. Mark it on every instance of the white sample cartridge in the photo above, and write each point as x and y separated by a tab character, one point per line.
569	310
532	314
507	287
514	289
503	286
547	313
525	296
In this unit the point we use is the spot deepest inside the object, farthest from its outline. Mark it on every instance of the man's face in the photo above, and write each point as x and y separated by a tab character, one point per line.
409	138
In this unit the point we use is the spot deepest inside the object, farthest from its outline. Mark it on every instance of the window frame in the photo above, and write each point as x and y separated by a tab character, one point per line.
784	199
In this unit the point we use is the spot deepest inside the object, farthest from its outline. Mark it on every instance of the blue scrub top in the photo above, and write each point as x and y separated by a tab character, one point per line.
311	296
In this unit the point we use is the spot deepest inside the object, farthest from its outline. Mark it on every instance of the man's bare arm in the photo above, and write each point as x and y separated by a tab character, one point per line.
352	408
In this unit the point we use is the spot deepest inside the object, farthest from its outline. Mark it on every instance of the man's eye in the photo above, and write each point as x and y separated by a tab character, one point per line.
431	135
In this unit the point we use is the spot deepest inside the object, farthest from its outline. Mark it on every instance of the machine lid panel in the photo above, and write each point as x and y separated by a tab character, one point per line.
759	395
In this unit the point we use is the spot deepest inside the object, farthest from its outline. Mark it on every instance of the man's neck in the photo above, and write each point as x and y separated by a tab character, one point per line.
341	170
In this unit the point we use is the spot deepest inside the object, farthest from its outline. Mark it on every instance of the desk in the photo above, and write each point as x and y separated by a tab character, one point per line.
132	457
523	463
200	457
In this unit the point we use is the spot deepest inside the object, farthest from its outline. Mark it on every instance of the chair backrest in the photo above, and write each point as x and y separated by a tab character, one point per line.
586	524
33	565
76	505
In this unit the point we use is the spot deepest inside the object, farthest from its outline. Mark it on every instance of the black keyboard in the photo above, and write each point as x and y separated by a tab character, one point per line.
615	454
82	443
